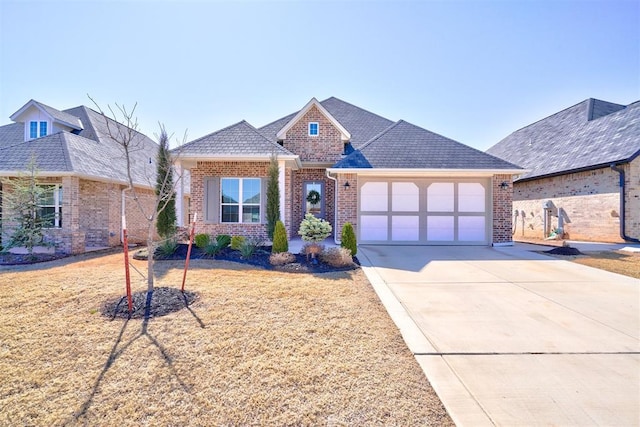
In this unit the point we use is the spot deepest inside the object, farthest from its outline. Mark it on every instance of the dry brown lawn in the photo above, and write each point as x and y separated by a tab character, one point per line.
621	262
257	348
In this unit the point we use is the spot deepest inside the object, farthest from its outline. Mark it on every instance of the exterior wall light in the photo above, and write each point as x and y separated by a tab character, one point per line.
504	185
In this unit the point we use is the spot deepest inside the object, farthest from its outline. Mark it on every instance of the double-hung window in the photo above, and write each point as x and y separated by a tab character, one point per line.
240	200
49	209
37	129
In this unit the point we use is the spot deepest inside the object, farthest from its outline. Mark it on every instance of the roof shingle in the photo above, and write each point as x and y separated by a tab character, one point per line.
590	134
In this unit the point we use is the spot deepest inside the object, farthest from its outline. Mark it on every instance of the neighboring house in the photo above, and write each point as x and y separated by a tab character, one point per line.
584	173
84	172
395	182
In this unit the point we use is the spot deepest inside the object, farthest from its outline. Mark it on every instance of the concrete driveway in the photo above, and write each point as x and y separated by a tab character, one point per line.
510	337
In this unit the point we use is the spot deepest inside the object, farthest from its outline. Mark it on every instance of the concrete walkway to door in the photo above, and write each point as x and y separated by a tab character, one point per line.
511	337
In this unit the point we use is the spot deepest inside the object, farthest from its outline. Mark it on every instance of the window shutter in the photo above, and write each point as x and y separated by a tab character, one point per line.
263	199
211	199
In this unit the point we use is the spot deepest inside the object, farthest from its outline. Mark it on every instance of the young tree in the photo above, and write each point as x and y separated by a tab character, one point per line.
273	196
22	200
124	131
166	223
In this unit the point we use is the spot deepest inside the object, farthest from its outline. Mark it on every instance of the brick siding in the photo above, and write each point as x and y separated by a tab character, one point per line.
502	205
326	147
589	199
226	169
347	202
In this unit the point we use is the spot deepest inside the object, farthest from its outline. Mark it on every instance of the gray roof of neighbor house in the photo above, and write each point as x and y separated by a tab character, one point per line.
89	152
238	140
407	146
588	135
361	124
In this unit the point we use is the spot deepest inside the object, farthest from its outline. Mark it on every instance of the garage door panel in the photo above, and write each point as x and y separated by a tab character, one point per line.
405	228
471	197
374	197
405	197
440	228
440	197
471	228
374	227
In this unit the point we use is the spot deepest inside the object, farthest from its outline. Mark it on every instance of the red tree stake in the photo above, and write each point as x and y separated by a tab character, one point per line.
186	263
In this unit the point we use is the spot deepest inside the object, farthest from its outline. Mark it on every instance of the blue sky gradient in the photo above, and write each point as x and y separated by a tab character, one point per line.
473	71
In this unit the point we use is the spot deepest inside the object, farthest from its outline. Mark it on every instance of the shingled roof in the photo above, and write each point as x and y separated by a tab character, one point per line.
589	135
238	140
361	124
407	146
88	152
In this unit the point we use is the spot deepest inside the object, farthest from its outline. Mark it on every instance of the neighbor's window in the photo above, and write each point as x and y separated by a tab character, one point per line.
240	200
37	129
313	129
50	206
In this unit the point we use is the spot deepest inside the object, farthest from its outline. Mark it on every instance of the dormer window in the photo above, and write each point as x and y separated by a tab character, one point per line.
313	128
37	129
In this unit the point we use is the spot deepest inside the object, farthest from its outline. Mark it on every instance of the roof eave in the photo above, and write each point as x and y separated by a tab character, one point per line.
427	172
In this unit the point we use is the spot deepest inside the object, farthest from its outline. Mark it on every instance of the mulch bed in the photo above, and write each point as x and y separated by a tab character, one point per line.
8	258
564	250
163	301
259	259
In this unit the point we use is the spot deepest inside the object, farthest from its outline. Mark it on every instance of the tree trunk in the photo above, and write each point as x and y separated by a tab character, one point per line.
150	251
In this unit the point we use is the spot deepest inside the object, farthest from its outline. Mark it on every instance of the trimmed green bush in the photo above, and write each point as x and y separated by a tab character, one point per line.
280	242
236	242
348	239
202	240
313	229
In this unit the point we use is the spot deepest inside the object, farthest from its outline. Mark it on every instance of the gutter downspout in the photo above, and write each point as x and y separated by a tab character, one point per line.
335	208
623	232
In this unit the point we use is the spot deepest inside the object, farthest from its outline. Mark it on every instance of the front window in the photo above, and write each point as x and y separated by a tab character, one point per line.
50	206
37	129
240	200
313	129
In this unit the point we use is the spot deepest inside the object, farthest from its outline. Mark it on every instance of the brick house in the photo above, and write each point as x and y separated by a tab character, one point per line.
83	171
395	182
584	173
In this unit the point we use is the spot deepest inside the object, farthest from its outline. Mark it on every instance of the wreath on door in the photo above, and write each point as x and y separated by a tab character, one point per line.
313	197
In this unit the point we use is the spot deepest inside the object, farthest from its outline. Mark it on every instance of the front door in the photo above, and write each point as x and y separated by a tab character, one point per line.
313	198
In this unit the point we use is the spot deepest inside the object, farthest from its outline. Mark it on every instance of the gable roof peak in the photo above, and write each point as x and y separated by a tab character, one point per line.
56	115
345	135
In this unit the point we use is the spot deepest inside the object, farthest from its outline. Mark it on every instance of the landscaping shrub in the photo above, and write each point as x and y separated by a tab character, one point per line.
311	248
348	239
236	242
223	240
337	257
280	242
202	240
313	229
167	247
249	247
282	258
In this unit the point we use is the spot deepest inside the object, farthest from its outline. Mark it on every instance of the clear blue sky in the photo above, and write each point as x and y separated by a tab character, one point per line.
473	71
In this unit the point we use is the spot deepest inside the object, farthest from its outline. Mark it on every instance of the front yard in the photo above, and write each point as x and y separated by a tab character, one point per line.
256	348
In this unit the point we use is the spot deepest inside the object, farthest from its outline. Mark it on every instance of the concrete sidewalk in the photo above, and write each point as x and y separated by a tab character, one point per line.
511	337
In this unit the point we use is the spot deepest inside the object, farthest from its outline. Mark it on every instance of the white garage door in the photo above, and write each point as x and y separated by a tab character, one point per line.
424	211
